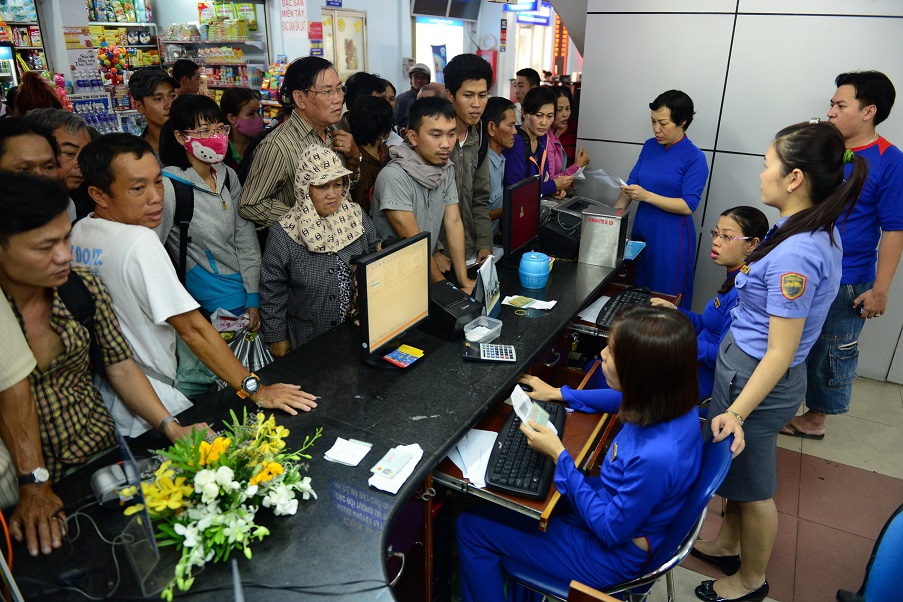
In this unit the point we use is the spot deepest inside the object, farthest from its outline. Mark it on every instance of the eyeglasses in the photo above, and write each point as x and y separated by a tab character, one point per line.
208	132
329	93
725	238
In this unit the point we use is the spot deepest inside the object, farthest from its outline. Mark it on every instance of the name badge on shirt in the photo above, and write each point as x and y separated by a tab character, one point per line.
614	451
717	302
793	285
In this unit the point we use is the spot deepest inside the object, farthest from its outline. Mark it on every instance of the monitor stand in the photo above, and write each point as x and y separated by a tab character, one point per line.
376	361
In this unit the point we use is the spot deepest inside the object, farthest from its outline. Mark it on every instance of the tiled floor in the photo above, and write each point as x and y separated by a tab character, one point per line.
833	498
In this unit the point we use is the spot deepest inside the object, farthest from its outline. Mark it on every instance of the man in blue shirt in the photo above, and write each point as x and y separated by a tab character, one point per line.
872	237
499	128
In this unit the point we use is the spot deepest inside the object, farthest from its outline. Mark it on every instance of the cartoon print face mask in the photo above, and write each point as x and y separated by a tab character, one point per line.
209	150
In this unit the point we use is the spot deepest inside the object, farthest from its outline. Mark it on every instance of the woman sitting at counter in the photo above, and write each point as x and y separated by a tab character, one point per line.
306	276
615	519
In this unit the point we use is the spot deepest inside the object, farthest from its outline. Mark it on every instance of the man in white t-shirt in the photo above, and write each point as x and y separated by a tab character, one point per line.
116	241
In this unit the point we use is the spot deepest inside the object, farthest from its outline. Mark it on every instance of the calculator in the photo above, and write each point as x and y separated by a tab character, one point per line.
487	352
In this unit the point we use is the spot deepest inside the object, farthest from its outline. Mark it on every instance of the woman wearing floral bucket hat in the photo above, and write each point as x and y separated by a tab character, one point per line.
306	277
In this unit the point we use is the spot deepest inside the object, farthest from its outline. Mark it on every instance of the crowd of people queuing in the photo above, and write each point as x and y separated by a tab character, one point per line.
279	212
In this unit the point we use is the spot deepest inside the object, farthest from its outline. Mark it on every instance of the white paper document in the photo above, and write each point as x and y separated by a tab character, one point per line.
394	483
473	452
603	177
497	252
348	451
591	312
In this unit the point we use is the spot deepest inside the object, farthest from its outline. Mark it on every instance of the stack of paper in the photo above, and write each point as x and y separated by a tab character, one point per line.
393	483
471	455
348	451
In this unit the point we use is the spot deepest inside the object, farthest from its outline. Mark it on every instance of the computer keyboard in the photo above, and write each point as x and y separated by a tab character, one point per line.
622	300
514	467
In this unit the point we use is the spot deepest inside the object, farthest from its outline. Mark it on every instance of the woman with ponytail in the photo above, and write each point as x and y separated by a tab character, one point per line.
760	377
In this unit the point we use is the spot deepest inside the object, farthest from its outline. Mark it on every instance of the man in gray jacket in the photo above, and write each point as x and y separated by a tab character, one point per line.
416	191
467	80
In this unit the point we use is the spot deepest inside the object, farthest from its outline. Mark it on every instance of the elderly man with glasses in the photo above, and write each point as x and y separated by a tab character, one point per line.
312	91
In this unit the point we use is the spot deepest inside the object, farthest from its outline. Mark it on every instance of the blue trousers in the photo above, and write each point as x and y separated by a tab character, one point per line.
567	550
831	364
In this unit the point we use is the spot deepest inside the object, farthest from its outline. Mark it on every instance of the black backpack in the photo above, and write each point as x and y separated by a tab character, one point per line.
80	302
183	214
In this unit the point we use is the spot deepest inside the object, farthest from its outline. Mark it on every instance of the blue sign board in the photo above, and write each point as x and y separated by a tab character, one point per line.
543	16
522	5
334	3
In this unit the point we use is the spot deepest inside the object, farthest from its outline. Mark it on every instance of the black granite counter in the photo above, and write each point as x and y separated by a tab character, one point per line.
337	544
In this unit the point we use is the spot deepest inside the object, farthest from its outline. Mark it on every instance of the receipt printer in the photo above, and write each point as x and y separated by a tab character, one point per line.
450	310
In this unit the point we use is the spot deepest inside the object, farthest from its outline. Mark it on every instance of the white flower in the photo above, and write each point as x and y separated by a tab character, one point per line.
251	491
189	532
282	500
306	490
210	491
202	479
224	476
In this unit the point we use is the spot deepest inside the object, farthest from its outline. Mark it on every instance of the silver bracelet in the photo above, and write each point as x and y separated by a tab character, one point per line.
739	418
165	422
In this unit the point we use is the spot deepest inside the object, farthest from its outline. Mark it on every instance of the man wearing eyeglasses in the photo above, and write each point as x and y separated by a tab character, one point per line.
311	88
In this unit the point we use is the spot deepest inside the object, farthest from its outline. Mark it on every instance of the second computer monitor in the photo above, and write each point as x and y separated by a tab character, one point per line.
520	214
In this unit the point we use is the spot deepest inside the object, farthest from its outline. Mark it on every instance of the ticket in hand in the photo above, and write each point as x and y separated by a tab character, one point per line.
528	410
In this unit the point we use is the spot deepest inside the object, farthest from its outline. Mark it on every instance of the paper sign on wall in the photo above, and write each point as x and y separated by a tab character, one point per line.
293	15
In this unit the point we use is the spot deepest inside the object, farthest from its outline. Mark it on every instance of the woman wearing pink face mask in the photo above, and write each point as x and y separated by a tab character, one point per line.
223	263
242	109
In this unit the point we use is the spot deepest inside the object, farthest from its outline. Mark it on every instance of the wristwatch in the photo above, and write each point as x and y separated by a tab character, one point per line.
249	386
37	476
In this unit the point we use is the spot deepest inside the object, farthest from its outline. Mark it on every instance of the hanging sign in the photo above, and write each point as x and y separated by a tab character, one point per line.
293	16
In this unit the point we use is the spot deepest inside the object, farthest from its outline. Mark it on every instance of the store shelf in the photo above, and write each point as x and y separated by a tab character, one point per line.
257	43
137	45
21	23
270	103
29	48
115	24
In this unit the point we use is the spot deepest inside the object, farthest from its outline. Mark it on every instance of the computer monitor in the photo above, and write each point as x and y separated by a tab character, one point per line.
520	214
393	296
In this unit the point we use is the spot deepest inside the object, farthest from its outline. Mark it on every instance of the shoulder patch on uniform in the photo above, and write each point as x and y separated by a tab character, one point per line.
717	302
745	269
793	285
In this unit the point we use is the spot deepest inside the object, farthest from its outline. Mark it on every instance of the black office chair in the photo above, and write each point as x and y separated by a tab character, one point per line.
716	460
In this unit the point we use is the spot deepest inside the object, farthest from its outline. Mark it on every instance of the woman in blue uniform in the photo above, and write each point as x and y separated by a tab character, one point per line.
738	232
667	180
760	377
616	518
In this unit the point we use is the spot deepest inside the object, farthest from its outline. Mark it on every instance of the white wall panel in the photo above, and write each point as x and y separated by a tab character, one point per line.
662	6
824	7
779	75
734	181
637	57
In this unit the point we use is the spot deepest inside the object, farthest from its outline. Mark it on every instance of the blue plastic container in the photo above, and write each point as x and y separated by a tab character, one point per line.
534	270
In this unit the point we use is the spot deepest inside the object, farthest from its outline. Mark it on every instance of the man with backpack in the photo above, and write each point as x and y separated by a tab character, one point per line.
117	242
70	323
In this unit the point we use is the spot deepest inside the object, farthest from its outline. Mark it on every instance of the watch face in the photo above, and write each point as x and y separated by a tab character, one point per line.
251	384
41	475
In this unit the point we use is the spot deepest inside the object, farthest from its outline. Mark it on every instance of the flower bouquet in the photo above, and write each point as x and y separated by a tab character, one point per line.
205	496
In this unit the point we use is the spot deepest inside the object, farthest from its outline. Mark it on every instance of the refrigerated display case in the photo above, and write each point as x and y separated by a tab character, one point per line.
9	75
